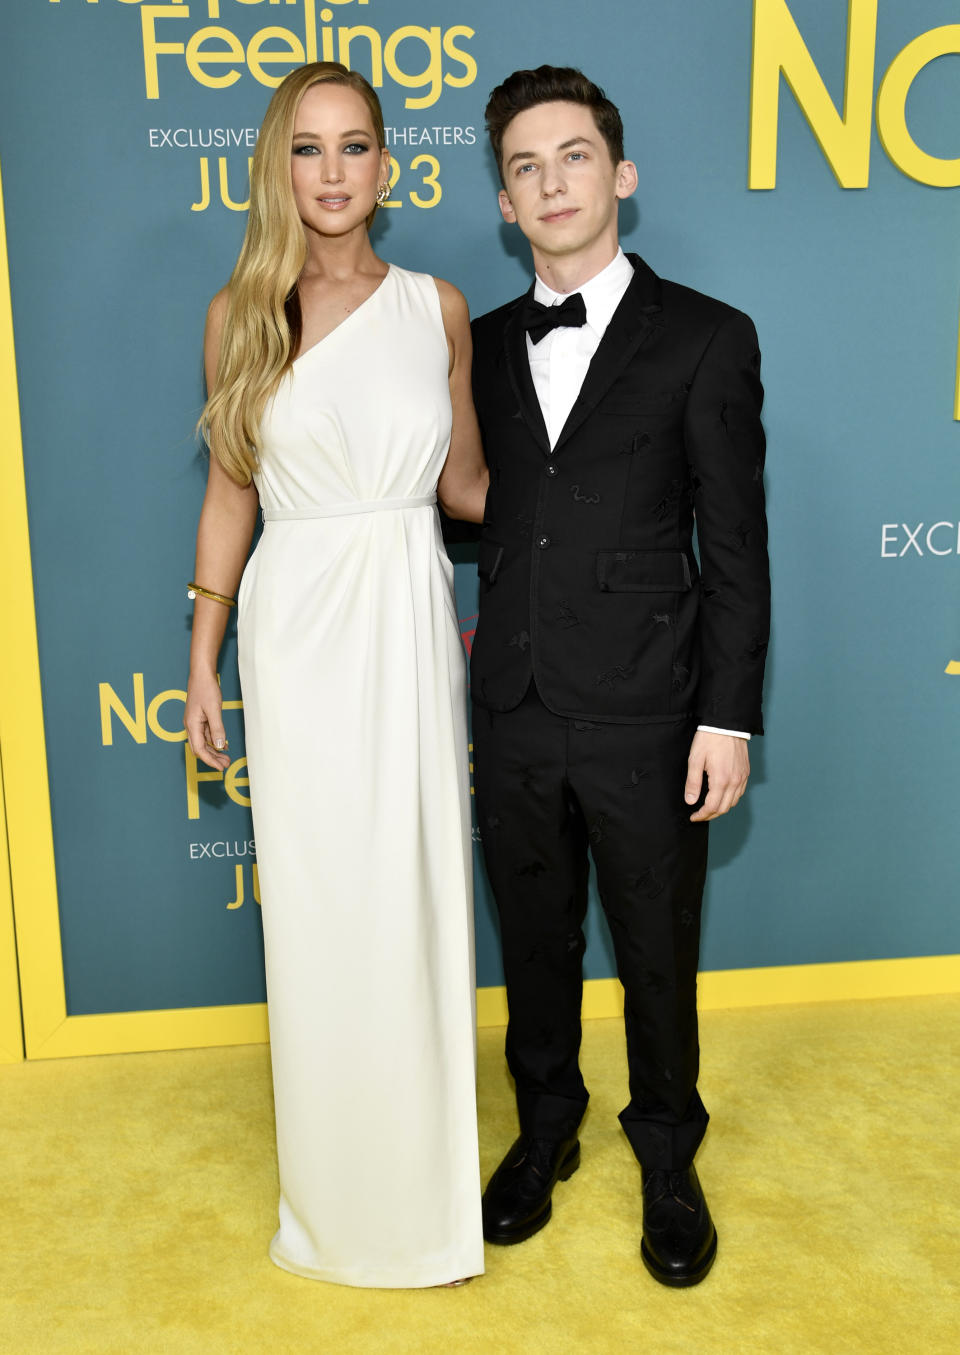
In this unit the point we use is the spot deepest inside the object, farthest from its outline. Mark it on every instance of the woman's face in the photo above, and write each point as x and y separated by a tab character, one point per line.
336	164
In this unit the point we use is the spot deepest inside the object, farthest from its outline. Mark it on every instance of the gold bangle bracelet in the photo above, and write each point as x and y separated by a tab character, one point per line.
194	591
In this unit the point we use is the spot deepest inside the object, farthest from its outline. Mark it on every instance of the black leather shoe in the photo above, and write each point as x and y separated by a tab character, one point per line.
679	1240
516	1203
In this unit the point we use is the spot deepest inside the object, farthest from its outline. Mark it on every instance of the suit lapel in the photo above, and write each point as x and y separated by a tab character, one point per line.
634	321
518	366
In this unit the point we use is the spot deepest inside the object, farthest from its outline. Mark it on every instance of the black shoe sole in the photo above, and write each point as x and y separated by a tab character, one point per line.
508	1237
670	1277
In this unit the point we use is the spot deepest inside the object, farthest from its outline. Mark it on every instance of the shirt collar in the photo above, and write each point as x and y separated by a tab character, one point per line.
602	294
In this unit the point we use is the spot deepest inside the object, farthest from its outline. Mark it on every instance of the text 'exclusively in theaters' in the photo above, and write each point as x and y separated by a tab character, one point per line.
234	138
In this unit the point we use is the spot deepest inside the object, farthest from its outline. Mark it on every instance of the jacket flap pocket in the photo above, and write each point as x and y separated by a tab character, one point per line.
488	561
643	571
639	402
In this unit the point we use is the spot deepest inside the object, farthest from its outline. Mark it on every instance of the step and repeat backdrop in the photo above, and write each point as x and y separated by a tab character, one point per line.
799	158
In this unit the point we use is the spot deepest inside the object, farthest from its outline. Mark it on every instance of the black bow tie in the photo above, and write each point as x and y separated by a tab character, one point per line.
539	320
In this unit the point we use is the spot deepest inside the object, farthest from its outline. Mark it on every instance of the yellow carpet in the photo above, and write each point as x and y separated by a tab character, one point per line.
138	1194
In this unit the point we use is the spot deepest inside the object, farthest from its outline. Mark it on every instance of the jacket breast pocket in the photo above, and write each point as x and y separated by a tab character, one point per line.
643	571
489	559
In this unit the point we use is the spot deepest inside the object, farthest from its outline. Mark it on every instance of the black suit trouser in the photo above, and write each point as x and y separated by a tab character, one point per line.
549	791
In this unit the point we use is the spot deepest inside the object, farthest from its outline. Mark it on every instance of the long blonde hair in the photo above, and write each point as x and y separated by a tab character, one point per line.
262	329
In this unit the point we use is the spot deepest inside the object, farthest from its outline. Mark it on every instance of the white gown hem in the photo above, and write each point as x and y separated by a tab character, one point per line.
423	1276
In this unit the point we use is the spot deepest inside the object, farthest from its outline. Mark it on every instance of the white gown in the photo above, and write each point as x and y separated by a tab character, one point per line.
353	680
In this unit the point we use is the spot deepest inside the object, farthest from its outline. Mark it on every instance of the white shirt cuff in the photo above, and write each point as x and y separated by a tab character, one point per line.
736	733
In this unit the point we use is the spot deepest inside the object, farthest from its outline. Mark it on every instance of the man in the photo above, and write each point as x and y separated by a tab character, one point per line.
616	681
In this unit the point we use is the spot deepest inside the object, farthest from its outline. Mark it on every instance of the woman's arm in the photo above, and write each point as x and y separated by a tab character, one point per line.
223	542
462	488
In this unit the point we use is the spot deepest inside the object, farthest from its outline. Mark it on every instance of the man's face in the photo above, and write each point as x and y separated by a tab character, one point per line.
562	188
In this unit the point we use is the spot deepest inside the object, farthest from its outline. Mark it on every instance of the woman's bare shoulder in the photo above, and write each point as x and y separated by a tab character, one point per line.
217	310
213	334
453	303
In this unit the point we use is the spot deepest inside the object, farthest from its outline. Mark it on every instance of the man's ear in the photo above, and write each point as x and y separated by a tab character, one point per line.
506	207
627	179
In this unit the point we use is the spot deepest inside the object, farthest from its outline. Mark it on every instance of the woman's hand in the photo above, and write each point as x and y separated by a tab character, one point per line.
203	721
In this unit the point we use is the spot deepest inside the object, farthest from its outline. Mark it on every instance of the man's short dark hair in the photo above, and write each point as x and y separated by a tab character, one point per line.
550	84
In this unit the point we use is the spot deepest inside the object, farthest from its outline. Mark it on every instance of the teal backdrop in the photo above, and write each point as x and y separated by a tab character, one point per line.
124	143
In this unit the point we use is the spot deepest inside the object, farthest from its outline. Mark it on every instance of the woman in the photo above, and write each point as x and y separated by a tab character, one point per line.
339	397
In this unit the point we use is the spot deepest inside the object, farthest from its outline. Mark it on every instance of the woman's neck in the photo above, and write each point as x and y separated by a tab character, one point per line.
336	258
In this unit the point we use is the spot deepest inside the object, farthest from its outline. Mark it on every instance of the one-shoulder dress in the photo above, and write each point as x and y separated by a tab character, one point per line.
353	681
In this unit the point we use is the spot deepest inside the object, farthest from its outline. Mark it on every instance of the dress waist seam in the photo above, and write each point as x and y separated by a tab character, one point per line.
346	509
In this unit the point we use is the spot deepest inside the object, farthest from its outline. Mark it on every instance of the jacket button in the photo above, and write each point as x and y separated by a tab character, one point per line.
543	542
551	469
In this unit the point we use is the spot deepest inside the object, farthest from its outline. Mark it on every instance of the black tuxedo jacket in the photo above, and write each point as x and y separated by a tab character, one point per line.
589	580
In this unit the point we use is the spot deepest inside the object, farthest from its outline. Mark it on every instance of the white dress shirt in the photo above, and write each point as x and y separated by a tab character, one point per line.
559	362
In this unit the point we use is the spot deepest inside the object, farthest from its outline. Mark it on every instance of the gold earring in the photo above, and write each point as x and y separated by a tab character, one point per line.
383	192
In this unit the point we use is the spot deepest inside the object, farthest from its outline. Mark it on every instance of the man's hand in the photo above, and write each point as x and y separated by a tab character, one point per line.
725	760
